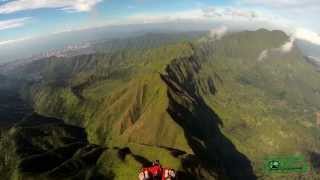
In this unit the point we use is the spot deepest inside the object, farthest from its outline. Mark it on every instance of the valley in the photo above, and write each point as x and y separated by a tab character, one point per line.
209	108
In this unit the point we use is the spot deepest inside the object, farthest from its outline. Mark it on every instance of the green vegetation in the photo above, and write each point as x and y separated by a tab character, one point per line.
210	109
40	147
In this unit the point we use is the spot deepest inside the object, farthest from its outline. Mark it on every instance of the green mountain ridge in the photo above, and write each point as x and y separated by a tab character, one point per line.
207	108
43	147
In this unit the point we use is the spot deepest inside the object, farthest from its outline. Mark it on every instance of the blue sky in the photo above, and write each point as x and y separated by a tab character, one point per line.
20	19
41	21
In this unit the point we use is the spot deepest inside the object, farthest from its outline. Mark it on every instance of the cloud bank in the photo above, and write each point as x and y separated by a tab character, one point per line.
234	17
308	35
13	23
283	3
2	43
238	18
67	5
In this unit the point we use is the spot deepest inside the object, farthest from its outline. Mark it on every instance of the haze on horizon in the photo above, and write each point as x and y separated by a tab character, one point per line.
31	26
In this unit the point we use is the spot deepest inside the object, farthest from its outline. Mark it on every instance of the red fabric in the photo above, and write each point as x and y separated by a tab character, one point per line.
155	170
163	175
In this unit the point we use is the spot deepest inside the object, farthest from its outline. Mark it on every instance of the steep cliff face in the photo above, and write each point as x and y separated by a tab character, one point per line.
200	122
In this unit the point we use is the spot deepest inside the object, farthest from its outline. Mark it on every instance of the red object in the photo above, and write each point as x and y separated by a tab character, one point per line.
157	171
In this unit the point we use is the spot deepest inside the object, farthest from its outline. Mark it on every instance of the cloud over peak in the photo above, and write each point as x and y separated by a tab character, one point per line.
286	47
307	35
218	33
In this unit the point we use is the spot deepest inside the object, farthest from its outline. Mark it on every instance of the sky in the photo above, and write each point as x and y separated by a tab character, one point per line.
25	19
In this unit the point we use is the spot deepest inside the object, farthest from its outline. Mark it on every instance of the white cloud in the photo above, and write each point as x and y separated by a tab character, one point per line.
286	47
218	33
195	14
238	18
230	13
302	12
13	23
235	18
68	5
263	55
283	3
202	14
2	43
307	35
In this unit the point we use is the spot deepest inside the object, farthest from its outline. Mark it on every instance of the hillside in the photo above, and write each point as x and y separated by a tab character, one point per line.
212	109
46	148
12	106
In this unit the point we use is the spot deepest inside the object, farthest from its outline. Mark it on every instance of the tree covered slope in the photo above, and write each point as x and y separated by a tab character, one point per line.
210	108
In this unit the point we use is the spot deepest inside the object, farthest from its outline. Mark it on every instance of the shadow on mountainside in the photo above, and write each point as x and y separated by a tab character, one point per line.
201	124
12	108
47	147
123	152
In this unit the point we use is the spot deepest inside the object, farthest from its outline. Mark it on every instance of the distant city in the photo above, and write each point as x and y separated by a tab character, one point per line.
67	51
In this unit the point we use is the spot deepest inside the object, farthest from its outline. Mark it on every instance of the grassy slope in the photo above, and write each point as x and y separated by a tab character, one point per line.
266	107
124	111
46	148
